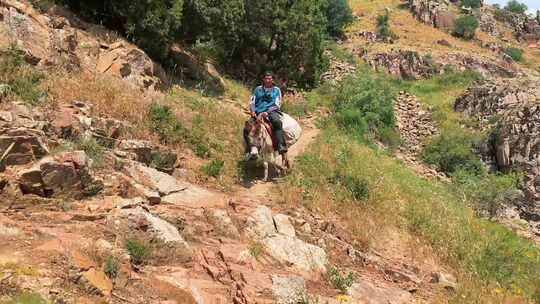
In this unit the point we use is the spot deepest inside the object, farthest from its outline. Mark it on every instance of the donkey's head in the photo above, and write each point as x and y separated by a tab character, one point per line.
259	139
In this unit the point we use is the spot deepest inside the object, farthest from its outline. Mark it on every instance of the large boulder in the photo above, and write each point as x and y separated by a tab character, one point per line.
512	109
197	69
278	236
58	38
64	175
404	64
433	12
21	146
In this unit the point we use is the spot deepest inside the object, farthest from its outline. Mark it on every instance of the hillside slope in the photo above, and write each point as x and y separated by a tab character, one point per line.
121	182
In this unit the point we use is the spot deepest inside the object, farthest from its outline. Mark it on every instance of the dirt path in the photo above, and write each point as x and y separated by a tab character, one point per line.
260	190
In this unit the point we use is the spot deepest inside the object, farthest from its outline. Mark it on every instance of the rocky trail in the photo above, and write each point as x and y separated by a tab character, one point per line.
57	236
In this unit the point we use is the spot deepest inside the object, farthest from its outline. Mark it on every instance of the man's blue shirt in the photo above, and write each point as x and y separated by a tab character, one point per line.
266	99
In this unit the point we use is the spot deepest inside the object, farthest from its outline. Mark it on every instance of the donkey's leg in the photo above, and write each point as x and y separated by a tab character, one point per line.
285	161
265	164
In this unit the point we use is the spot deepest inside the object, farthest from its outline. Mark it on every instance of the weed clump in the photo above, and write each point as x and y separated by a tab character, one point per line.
214	168
515	53
139	251
339	280
18	79
111	267
171	130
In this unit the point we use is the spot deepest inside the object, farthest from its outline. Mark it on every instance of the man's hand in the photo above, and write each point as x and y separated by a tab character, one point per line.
264	115
253	114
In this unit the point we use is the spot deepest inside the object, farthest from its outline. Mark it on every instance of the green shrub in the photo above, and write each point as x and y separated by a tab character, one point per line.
111	267
503	15
92	148
487	194
466	27
171	130
356	185
18	78
338	280
452	151
383	26
339	14
517	7
471	3
515	53
139	251
390	137
214	168
364	106
261	42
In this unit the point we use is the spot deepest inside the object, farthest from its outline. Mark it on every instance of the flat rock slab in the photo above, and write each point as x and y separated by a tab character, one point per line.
367	293
154	179
302	255
161	229
261	224
192	195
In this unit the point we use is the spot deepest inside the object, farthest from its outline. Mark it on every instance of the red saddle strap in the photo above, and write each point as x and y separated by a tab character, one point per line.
270	131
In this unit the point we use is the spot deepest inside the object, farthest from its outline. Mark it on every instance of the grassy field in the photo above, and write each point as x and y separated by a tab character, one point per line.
345	174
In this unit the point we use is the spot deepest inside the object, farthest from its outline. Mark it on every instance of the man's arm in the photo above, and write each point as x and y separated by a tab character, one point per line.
279	98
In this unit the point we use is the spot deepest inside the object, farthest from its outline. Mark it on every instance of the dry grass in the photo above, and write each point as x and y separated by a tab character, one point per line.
110	97
215	121
413	34
417	36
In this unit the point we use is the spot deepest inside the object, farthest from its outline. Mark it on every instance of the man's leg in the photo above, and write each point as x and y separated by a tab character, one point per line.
277	127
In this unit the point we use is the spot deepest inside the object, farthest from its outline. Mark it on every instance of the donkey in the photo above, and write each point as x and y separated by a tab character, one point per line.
262	146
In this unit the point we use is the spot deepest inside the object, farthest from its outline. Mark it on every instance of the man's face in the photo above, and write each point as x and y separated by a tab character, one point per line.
268	81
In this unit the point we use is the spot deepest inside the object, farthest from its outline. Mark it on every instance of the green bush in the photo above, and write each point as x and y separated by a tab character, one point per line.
452	151
214	168
364	106
139	251
383	26
18	79
515	6
466	27
339	14
338	280
471	3
92	148
487	194
111	267
357	186
515	53
171	130
503	15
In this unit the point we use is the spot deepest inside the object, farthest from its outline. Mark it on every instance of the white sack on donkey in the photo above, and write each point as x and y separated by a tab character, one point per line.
291	128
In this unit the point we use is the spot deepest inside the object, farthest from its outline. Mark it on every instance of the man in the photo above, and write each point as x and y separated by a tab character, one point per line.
266	101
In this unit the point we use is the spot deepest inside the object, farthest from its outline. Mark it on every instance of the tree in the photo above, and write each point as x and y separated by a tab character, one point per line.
466	26
383	26
280	35
339	15
471	3
516	7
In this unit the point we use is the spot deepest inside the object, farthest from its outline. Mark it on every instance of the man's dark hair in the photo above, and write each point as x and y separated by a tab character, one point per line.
268	73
